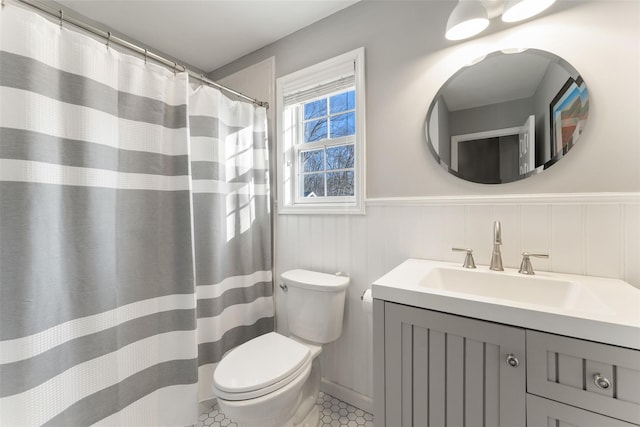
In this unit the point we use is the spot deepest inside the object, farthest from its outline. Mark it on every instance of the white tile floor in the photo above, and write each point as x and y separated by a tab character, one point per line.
333	413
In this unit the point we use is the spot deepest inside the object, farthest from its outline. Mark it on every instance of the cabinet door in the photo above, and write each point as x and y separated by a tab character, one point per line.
444	370
547	413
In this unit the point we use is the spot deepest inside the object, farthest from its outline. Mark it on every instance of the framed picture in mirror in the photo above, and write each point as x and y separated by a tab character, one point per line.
568	111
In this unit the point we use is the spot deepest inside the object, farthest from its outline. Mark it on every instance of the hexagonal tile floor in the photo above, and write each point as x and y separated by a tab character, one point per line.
333	413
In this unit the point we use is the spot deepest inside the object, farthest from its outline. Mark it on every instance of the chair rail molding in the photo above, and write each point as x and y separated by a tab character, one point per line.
510	199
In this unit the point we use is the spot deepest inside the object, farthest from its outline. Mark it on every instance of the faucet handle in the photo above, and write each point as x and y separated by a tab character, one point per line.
525	266
468	259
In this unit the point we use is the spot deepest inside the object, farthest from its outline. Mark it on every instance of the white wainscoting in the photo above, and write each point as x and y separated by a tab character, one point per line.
592	234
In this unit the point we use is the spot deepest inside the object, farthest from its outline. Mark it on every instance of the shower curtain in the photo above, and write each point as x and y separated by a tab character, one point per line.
110	212
230	171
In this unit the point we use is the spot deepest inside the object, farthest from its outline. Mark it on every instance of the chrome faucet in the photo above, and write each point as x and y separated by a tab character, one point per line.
496	256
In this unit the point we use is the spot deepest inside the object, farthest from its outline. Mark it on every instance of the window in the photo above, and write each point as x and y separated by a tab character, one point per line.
321	137
326	155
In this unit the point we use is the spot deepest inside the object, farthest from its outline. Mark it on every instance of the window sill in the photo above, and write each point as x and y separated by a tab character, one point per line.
321	209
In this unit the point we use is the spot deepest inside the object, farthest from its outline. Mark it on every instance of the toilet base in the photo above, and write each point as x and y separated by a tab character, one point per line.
312	419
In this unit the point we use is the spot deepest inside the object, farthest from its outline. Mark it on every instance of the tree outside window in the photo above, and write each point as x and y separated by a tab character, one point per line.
327	166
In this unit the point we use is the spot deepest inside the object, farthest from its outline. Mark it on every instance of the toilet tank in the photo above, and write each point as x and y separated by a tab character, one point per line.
315	304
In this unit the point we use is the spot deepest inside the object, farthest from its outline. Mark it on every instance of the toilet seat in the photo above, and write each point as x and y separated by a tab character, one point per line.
260	366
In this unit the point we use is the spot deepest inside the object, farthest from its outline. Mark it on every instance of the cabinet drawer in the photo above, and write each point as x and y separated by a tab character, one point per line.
544	413
564	369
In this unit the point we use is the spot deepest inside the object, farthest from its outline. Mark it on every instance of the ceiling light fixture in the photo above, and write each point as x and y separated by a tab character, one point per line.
518	10
467	19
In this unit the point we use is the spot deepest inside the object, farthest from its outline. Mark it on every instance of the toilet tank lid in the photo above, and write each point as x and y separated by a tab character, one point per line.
314	280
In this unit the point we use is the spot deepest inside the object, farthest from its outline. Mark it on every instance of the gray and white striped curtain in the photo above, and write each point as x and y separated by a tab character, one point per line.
100	321
232	224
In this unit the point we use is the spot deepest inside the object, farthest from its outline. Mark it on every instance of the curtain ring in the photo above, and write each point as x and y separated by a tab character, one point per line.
108	39
175	67
201	80
61	18
145	55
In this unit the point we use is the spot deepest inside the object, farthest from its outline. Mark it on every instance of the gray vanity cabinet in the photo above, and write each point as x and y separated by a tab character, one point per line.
437	369
444	370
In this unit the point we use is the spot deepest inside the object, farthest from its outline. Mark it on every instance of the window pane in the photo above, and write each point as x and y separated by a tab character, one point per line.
340	157
343	124
340	183
313	185
315	109
343	102
315	130
312	161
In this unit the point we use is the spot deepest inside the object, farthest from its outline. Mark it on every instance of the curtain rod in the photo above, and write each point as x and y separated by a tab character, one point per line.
131	46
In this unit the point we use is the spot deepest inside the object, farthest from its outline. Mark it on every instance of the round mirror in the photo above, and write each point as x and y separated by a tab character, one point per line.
507	117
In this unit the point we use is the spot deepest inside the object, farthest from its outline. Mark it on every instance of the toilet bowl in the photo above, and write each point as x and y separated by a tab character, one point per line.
274	380
260	383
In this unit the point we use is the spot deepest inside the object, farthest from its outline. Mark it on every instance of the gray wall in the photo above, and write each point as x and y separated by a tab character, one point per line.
490	117
408	59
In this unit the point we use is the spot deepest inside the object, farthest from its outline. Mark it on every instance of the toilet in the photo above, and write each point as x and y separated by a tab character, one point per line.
274	380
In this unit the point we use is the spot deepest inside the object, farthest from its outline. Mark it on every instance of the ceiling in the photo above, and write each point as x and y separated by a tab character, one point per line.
496	79
206	34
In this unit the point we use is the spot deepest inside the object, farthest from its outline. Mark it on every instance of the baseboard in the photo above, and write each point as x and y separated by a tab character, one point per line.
347	395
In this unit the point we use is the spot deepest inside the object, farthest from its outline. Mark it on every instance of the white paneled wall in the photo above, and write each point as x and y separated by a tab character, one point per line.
593	234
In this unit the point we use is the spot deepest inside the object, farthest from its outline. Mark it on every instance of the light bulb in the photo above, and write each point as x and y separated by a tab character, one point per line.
467	29
518	10
467	19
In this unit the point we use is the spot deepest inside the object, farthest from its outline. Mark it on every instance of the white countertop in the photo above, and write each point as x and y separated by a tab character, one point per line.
618	323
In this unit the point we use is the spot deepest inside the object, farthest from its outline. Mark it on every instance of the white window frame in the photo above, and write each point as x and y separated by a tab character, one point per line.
288	191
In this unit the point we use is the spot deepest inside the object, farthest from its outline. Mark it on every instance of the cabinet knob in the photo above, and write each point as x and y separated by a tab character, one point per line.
601	382
512	360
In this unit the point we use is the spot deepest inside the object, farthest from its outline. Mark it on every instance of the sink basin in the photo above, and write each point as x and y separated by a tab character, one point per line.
537	290
593	308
